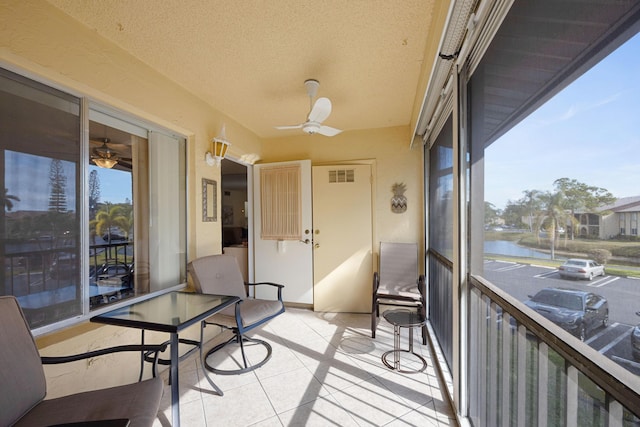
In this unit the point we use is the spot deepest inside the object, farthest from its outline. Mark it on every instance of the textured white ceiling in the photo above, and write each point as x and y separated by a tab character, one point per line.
249	59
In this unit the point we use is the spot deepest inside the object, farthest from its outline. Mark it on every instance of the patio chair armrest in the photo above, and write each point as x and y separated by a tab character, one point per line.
52	360
265	283
148	348
119	422
279	286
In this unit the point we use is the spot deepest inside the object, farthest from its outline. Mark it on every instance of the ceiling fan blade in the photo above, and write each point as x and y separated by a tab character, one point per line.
328	131
320	111
289	127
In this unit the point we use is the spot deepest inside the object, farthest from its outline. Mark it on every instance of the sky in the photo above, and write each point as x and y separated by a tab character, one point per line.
115	185
590	132
27	177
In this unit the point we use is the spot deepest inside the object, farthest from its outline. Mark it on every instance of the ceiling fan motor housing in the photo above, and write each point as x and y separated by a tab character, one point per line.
320	110
311	127
104	151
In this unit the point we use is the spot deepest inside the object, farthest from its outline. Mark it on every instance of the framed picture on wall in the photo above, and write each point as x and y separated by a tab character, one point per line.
209	200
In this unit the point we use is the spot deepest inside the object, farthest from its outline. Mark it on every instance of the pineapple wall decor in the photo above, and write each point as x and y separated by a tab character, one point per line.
398	201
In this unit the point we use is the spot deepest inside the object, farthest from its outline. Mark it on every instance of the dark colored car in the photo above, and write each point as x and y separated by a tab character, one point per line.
635	340
115	274
110	282
577	312
114	237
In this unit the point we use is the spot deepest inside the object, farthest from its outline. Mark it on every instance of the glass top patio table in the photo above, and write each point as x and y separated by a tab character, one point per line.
171	312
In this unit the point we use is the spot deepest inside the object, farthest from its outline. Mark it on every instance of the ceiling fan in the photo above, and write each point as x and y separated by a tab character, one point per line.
105	157
320	110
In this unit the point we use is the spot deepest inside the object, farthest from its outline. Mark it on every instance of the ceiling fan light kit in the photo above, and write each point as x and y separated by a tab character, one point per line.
320	110
105	163
104	156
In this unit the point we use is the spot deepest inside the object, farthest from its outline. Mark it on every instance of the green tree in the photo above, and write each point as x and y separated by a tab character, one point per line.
58	183
491	214
512	214
553	212
531	205
127	212
582	197
107	218
94	192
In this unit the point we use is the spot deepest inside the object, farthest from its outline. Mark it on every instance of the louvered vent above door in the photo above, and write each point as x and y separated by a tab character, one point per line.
341	175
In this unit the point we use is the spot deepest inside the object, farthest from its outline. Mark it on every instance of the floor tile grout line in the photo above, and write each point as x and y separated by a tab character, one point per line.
348	337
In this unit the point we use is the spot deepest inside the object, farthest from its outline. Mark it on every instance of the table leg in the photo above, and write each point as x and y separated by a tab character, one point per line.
175	391
141	358
396	347
411	339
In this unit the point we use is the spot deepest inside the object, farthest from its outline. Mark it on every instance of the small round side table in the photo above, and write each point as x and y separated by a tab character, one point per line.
403	319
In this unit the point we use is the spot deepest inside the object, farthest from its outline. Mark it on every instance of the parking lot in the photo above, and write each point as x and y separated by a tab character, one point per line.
622	293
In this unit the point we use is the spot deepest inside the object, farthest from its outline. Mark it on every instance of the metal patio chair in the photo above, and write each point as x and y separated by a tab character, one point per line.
23	384
220	275
397	283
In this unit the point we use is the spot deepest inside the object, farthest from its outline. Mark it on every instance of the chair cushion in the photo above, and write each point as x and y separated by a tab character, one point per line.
138	402
405	291
251	310
255	310
22	380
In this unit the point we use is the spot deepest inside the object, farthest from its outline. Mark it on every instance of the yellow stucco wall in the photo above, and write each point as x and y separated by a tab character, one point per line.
39	41
37	38
395	163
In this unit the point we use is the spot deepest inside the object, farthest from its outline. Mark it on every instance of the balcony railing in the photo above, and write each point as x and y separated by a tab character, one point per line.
46	279
526	371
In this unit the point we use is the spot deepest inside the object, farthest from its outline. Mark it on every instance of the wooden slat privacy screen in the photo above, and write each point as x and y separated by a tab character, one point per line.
281	203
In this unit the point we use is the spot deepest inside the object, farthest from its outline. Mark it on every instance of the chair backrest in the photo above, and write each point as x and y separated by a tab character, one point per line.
217	274
398	267
22	381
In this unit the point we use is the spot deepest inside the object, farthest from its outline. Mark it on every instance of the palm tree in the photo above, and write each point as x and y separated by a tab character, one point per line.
553	212
107	218
8	200
127	212
573	223
531	203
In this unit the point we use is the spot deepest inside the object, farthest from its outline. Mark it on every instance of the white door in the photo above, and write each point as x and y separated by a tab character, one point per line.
342	259
288	262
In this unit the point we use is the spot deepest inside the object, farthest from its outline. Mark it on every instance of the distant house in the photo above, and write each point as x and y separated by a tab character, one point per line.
617	219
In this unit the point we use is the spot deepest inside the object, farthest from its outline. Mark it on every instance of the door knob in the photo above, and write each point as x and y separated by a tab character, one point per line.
306	241
316	246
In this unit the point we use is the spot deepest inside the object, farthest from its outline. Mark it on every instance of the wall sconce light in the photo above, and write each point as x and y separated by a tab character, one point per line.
219	147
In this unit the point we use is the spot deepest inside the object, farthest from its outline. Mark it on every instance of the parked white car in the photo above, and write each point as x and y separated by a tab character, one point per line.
581	269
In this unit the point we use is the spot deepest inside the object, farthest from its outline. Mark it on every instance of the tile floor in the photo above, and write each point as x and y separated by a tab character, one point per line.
325	370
